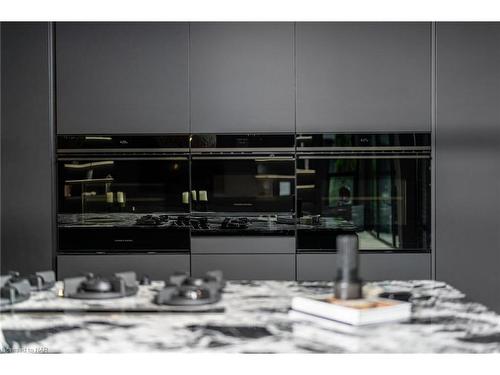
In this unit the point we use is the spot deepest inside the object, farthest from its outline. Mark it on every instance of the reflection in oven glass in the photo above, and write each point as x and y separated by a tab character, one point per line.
385	200
254	184
123	185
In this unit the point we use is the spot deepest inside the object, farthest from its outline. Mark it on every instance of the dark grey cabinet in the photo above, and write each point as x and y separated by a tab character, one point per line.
246	266
373	267
242	77
316	267
363	76
156	266
27	240
395	266
122	77
467	159
243	245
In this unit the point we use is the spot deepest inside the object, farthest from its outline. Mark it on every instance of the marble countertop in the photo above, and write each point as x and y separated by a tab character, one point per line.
253	318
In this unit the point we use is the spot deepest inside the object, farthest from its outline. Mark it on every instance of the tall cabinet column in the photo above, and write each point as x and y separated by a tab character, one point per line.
27	147
467	158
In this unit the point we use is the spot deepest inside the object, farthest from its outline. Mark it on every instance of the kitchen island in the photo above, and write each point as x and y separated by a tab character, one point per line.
253	318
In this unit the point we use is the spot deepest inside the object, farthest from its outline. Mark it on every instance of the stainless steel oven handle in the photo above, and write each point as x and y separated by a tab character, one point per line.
256	158
366	148
125	158
364	156
118	150
243	149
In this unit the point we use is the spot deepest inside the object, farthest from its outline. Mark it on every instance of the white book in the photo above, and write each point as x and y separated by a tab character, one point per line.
333	325
354	312
326	332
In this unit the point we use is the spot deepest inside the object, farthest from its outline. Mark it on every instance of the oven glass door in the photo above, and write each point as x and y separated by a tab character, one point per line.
385	199
243	183
134	185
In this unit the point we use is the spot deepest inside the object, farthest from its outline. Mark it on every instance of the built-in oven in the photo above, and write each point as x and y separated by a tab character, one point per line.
243	173
378	185
243	193
122	193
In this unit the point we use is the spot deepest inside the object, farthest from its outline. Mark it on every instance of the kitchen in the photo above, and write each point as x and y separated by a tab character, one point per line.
143	156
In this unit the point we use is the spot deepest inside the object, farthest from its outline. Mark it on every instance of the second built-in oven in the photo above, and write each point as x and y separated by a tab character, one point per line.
243	193
378	185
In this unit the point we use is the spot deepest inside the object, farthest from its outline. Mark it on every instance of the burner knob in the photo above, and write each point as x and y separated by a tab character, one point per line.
145	280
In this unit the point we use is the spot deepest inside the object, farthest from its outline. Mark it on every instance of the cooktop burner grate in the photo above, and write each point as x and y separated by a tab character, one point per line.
182	290
16	288
13	289
119	285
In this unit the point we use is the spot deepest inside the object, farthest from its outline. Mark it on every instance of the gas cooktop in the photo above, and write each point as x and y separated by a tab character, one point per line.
121	292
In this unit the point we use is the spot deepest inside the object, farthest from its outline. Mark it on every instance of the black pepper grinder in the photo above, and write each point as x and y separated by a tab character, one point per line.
348	283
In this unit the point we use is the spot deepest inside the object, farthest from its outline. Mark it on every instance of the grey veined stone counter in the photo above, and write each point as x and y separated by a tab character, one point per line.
255	320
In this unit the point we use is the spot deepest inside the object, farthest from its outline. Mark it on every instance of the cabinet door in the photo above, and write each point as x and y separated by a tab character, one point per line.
242	77
373	267
27	225
246	266
395	266
243	245
363	76
122	78
467	155
156	266
316	267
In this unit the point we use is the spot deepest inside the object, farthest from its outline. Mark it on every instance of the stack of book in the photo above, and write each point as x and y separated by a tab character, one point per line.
359	312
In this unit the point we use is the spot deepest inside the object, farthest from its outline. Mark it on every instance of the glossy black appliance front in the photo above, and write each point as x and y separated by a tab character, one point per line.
82	238
244	173
137	174
108	184
377	185
249	225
